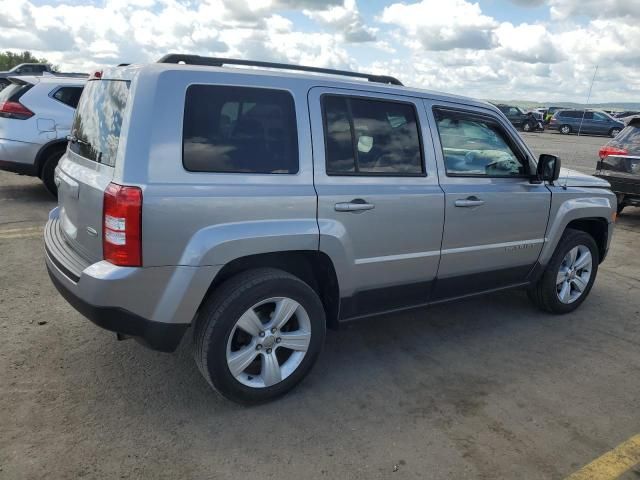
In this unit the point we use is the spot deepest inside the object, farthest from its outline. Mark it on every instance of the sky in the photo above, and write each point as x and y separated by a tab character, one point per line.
533	50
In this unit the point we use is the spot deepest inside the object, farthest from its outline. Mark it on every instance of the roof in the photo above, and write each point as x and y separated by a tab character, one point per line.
128	72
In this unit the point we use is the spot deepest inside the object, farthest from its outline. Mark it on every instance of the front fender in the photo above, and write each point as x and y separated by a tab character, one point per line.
220	244
575	204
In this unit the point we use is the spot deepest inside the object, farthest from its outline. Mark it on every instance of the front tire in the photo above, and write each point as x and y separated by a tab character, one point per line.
569	275
565	129
527	127
258	335
613	133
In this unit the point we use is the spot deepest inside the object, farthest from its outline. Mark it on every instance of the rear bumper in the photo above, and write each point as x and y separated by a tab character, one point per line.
18	157
626	186
164	337
155	305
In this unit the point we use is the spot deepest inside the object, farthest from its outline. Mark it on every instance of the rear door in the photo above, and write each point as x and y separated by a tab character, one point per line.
380	208
88	166
495	218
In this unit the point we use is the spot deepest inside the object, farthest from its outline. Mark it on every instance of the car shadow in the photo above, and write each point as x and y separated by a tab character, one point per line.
27	190
401	353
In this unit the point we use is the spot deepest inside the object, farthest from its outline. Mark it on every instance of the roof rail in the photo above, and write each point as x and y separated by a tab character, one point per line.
219	62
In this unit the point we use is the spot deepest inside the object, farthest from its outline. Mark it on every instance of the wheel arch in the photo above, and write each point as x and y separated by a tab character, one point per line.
592	215
597	228
46	150
313	267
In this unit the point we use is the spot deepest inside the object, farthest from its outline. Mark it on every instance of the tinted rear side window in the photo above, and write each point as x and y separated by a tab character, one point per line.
98	120
70	96
239	130
371	137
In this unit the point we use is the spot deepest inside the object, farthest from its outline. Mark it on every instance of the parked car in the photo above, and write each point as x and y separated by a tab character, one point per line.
627	119
620	165
550	112
35	119
590	122
527	122
260	207
626	113
23	69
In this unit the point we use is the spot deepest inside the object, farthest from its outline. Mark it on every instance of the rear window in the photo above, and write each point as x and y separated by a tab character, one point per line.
13	91
629	137
96	127
239	130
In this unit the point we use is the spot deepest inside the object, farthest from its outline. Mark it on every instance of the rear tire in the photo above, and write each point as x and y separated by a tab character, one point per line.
565	129
48	171
546	293
620	207
527	127
220	336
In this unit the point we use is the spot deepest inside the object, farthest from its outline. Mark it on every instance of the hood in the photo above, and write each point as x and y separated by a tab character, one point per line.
573	178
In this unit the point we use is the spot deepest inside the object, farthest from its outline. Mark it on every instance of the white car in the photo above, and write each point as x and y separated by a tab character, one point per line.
35	118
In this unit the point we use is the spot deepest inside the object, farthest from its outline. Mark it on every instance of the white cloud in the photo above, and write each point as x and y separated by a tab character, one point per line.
562	9
527	43
346	19
447	45
439	25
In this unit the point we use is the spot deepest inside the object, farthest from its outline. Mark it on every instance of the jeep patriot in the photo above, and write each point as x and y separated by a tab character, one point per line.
261	206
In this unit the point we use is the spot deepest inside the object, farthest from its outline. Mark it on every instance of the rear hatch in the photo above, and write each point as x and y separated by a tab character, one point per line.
14	116
88	167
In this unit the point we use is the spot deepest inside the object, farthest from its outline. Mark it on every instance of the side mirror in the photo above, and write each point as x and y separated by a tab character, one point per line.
548	168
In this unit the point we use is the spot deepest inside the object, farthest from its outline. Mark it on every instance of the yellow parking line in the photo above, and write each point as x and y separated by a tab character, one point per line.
21	229
612	464
25	232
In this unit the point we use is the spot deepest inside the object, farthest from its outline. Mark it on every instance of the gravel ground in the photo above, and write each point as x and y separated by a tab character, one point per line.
485	388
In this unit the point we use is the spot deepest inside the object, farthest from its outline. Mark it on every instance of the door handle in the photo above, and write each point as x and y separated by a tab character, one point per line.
357	205
469	202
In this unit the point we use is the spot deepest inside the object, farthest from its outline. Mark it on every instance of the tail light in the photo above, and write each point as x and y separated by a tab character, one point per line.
608	150
14	110
122	225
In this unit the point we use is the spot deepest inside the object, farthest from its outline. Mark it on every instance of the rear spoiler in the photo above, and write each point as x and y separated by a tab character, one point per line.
60	74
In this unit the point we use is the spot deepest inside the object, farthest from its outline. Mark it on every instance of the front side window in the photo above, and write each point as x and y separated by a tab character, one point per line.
239	130
475	145
371	137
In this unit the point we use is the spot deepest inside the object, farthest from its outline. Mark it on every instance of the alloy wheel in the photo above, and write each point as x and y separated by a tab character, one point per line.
268	342
574	274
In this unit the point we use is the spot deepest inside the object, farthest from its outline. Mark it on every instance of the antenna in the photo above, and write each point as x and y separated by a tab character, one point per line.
584	112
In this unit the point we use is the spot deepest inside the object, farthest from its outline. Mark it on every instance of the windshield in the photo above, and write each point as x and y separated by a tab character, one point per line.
95	134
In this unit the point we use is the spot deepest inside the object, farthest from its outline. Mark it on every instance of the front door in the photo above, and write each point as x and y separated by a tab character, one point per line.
495	217
380	208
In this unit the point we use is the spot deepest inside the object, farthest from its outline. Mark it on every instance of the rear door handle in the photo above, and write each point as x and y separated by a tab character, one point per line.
469	202
357	205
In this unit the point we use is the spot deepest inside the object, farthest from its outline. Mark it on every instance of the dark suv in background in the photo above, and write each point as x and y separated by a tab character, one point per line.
620	165
588	122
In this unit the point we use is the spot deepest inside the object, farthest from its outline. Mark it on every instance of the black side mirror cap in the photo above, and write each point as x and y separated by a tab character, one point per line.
548	168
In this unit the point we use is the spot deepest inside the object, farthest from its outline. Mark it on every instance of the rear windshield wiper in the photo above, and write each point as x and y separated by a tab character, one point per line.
74	139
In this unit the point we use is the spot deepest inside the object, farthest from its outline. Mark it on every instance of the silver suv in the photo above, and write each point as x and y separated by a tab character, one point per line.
262	206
